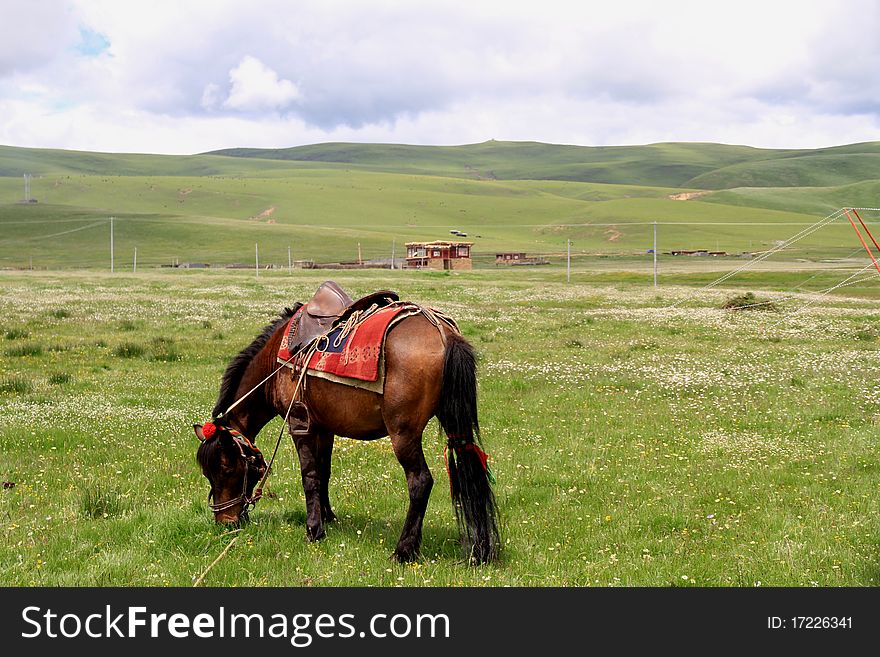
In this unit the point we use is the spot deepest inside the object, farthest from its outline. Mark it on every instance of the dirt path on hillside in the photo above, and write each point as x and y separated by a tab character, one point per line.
265	214
686	196
612	234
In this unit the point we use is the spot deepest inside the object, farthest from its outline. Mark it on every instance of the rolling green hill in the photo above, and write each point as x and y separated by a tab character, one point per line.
821	170
14	162
334	202
666	165
688	165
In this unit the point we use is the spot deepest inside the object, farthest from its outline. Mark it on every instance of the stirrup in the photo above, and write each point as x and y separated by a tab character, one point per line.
299	420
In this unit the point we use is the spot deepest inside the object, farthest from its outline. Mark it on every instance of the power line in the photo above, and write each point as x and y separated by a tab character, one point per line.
45	237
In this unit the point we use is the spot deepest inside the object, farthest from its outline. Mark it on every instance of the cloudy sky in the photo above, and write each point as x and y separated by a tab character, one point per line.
187	76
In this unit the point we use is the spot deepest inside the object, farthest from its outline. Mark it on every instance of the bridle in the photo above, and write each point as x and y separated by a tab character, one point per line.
250	462
243	443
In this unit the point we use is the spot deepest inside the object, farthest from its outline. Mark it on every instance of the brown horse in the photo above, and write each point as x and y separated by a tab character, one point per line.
429	370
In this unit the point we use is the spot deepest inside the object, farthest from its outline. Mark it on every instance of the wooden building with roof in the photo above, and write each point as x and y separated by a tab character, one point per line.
439	255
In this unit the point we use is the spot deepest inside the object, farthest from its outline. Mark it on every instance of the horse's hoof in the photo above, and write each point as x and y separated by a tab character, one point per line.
315	534
404	555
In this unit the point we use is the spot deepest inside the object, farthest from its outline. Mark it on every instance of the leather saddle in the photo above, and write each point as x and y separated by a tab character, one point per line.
329	306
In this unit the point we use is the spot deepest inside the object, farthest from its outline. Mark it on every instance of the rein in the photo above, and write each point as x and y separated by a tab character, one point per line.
254	389
240	439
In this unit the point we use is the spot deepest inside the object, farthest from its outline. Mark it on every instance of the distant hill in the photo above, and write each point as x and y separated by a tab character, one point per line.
661	165
15	161
336	202
686	165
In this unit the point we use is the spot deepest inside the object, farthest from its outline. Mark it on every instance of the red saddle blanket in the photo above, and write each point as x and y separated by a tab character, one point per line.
355	355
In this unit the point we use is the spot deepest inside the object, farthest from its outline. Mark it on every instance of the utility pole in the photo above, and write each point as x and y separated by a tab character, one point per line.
135	268
257	251
568	264
112	263
393	246
360	259
289	259
655	254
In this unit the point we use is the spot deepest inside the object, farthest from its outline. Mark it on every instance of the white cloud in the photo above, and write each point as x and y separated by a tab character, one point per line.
210	96
188	77
257	87
34	33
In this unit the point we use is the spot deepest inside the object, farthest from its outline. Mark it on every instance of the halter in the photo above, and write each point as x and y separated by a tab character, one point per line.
242	443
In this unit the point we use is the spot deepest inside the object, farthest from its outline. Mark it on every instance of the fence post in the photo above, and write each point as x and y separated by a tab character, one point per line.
568	264
655	254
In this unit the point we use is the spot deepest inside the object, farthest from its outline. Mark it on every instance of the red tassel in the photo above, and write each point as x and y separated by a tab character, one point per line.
208	430
484	458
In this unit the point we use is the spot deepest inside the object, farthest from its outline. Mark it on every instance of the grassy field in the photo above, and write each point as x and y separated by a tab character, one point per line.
327	216
640	436
339	202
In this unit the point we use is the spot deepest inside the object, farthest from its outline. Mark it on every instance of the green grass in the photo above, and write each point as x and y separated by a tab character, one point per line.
24	350
129	350
15	334
326	217
636	442
338	202
15	385
699	165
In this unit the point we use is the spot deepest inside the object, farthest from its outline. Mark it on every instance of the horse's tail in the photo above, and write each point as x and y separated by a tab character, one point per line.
469	475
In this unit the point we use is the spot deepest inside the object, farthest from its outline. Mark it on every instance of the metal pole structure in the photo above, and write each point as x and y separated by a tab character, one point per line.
568	264
289	261
655	254
257	251
393	246
135	268
112	263
862	240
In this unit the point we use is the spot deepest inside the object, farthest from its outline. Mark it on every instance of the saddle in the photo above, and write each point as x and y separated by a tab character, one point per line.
330	305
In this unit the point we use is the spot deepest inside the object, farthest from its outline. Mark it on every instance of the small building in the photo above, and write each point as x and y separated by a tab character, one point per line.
519	258
507	258
439	255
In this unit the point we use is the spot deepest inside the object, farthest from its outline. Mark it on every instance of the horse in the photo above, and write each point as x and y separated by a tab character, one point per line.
430	370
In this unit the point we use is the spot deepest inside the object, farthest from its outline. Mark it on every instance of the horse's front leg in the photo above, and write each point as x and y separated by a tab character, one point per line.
325	451
307	450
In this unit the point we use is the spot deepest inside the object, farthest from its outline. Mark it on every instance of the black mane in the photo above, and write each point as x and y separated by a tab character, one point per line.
236	368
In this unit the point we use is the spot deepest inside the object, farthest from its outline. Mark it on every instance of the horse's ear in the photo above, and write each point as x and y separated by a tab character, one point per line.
198	429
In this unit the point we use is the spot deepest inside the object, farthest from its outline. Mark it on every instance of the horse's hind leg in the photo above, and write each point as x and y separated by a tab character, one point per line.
408	449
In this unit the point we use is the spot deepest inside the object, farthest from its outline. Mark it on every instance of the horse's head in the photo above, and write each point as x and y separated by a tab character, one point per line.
234	466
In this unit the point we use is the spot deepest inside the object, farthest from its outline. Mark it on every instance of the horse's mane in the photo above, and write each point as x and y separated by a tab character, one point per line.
236	368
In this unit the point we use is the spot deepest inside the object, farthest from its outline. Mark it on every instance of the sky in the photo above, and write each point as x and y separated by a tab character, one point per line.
189	76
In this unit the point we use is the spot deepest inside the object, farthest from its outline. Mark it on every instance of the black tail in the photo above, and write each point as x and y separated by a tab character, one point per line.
471	489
